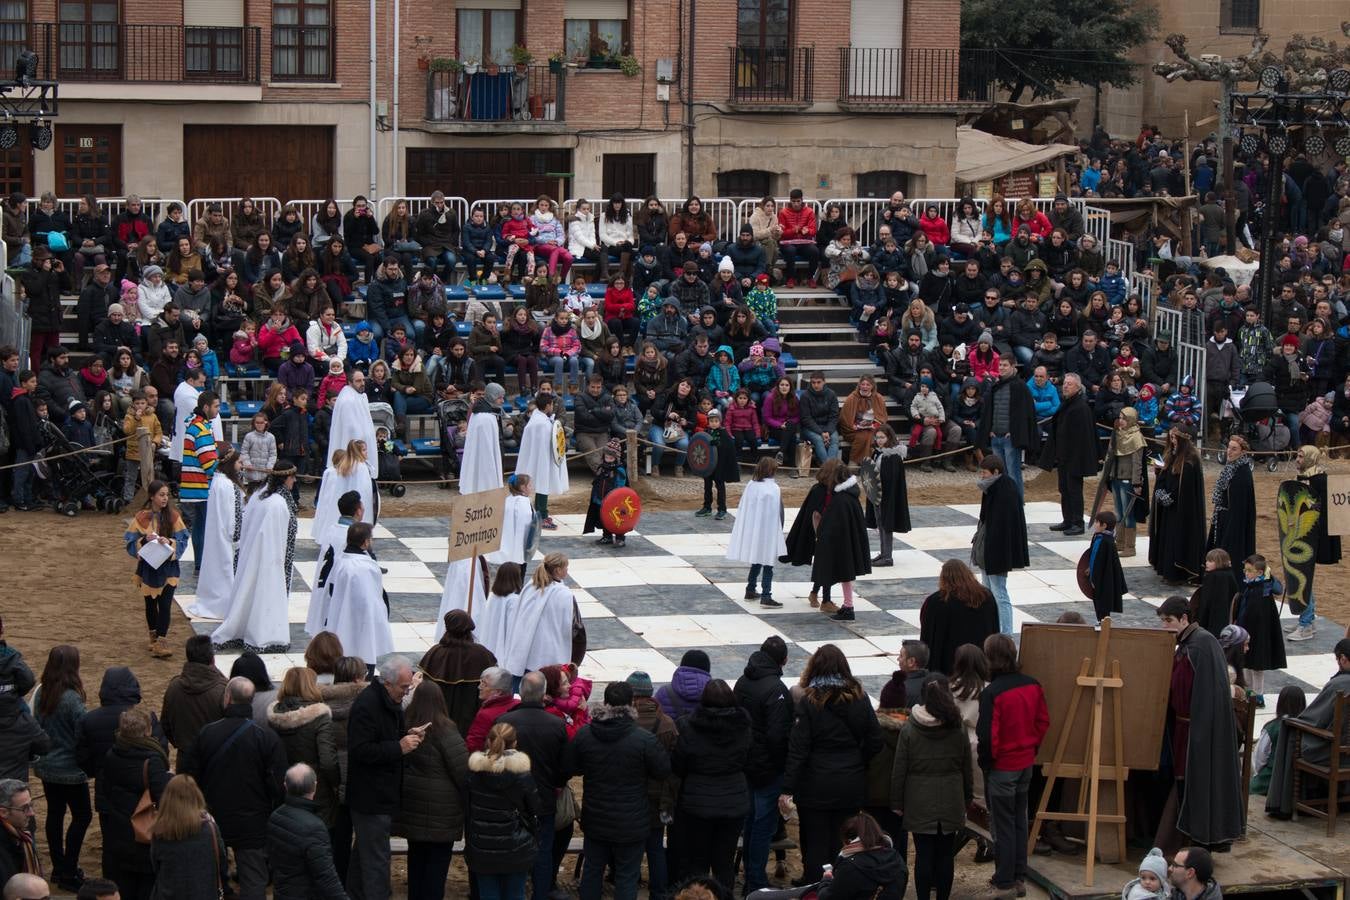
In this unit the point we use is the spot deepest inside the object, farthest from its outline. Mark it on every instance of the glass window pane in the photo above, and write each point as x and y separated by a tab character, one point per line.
316	15
503	35
611	32
470	34
285	15
578	37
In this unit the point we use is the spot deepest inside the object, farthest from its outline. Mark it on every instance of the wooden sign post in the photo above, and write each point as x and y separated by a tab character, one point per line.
475	529
1338	504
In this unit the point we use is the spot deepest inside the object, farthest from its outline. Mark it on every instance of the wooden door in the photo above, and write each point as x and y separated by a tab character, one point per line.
289	162
88	160
485	174
630	174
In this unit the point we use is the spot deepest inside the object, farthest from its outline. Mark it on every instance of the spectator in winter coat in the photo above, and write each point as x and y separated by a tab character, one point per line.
193	698
1044	393
495	698
761	693
299	852
682	695
1182	407
543	738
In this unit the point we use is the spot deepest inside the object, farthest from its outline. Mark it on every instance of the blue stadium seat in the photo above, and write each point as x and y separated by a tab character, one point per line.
463	329
490	292
247	408
456	292
426	447
788	360
517	291
249	371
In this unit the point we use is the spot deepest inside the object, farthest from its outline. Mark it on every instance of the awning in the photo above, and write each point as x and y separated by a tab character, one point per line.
981	156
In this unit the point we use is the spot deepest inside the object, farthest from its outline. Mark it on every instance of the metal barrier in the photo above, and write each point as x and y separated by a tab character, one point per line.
112	207
308	209
270	207
15	327
1190	360
417	204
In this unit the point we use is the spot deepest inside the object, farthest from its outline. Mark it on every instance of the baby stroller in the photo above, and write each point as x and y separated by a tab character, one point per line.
450	414
386	448
73	480
1257	419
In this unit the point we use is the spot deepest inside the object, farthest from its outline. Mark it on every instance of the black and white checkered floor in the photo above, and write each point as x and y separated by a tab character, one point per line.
671	589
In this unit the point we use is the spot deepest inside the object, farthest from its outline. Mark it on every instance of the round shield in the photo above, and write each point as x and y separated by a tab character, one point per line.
1085	575
620	510
702	455
559	443
532	537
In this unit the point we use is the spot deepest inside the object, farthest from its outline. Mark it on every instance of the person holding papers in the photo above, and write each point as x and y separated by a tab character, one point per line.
156	538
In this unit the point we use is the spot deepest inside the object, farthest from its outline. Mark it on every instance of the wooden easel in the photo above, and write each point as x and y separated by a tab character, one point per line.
1091	675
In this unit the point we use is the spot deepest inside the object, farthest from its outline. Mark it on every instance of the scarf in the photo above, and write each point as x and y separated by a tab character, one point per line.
543	216
560	330
31	864
590	333
145	742
826	682
96	380
1314	460
1129	440
984	484
1221	486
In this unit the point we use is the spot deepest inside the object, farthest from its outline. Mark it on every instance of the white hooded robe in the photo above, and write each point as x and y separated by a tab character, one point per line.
456	592
481	469
356	611
757	535
259	617
224	526
352	422
535	458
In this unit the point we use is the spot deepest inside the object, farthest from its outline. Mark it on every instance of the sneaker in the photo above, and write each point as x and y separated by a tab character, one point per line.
704	512
1303	633
845	614
828	607
548	524
814	600
1259	701
721	514
751	594
605	540
881	562
769	603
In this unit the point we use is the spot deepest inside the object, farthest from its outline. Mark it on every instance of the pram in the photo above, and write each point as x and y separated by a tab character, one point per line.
1257	419
449	415
386	455
74	479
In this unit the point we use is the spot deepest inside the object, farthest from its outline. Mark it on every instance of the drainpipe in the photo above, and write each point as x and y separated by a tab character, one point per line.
374	185
689	105
394	168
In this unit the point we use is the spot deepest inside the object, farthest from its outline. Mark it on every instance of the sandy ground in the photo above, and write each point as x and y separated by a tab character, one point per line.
69	581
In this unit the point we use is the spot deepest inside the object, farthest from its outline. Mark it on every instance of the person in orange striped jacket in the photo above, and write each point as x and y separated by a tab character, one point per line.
199	463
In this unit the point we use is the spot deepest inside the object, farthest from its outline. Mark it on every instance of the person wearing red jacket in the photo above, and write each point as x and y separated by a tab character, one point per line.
495	698
1013	722
798	243
1034	219
620	313
932	224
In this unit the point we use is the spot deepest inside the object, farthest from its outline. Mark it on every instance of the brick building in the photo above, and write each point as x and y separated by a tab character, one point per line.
292	98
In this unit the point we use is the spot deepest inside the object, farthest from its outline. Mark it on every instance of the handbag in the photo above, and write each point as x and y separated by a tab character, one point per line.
146	812
674	433
215	853
565	810
977	547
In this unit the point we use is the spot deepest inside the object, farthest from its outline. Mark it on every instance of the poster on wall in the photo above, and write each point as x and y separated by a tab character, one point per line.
1047	184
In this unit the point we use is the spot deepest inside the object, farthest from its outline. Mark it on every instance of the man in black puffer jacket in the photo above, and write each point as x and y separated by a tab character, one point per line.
298	851
615	758
761	693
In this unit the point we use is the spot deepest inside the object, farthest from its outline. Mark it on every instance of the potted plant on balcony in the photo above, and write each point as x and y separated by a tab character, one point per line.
446	64
521	57
556	60
628	65
471	65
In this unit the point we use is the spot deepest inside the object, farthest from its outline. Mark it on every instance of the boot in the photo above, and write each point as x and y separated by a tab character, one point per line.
814	599
158	650
1125	541
1056	839
154	639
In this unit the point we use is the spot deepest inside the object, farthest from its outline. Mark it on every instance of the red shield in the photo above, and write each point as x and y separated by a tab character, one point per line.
620	510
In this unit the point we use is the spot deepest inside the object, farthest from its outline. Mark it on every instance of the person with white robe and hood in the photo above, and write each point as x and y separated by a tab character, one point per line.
458	583
350	512
258	619
220	550
538	458
346	472
757	536
352	422
494	619
545	627
358	607
520	525
481	468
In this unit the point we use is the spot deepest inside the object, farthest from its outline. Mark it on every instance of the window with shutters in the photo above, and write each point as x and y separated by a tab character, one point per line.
213	38
13	32
487	30
90	39
1239	15
745	183
596	31
302	40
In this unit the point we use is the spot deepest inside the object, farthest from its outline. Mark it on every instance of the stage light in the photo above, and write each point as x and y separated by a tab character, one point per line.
1270	77
1314	144
1339	80
1342	145
25	66
40	134
1277	142
1249	144
9	136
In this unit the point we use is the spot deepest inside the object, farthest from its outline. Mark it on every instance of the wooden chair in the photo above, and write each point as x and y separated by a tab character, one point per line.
1334	772
1244	711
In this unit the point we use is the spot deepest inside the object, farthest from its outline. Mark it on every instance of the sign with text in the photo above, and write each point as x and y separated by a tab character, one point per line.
476	524
1338	504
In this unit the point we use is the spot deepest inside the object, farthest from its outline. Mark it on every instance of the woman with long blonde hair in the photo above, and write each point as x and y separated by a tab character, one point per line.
186	850
547	628
346	472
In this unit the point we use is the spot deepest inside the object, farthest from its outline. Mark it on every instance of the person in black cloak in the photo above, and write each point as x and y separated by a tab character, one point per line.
1212	602
1232	520
1104	571
1320	713
961	611
883	477
842	530
1205	805
727	468
1072	452
1000	542
801	538
611	475
1176	548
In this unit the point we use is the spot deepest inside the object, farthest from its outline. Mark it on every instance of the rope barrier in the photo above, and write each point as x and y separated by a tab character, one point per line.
112	443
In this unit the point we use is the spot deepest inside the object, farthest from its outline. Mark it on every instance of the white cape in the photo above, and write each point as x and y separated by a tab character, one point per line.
518	522
258	616
535	458
481	469
335	538
456	592
493	620
539	632
352	422
356	612
757	536
332	486
224	525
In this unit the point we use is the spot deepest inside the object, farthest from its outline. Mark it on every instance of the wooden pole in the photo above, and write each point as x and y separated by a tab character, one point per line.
632	455
147	457
473	577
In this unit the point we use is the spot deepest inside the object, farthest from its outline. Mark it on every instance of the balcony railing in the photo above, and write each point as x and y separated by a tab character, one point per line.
509	94
772	75
892	76
156	54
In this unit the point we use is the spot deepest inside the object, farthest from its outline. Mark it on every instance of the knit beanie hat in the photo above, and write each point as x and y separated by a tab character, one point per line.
1156	863
726	265
705	246
641	683
696	659
756	349
494	392
986	337
116	309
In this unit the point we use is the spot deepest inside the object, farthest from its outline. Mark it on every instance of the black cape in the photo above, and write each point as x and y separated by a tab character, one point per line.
1211	602
1108	578
1234	529
842	539
1211	811
1005	528
892	514
947	623
728	466
801	538
1255	611
1176	547
1072	445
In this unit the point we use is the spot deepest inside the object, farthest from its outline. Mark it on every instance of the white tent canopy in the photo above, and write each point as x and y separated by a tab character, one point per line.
981	156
